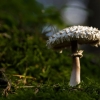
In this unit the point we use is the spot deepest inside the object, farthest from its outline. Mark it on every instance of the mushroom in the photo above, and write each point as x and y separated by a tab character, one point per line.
71	37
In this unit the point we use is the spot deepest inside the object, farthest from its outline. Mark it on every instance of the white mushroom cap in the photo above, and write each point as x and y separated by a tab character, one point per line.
83	35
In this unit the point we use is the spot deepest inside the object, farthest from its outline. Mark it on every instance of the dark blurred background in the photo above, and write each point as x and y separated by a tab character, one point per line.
77	12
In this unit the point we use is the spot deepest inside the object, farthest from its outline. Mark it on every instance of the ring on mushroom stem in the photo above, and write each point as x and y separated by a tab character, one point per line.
75	75
73	36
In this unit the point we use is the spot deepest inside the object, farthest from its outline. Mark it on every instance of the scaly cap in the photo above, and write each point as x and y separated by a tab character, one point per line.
83	35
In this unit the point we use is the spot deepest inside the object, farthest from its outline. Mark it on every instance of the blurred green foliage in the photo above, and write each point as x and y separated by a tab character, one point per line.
57	92
27	60
22	47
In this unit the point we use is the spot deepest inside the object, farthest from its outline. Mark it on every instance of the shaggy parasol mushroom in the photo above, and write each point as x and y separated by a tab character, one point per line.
71	37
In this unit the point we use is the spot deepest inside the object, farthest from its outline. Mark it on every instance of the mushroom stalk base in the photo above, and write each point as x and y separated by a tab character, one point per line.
75	75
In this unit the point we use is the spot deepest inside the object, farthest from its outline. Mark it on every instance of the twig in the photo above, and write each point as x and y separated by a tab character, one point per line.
25	86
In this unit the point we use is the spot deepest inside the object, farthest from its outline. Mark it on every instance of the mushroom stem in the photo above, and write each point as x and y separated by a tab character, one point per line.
75	75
